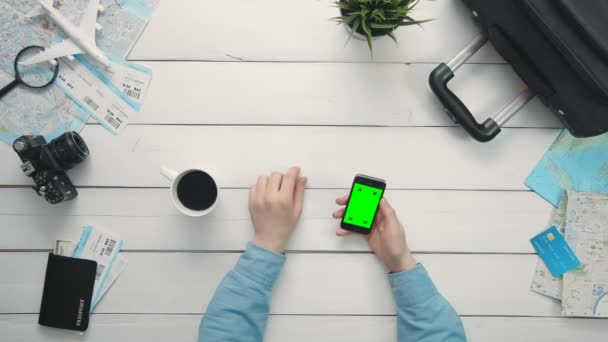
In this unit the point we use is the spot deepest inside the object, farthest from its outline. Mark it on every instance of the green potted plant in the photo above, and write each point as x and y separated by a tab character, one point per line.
369	19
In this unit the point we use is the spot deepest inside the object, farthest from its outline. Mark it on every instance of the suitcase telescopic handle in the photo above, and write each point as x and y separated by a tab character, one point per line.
457	110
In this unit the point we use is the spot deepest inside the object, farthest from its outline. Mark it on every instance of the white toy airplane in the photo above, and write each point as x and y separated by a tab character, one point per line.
81	38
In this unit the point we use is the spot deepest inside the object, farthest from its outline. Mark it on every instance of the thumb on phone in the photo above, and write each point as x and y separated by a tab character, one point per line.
343	232
388	213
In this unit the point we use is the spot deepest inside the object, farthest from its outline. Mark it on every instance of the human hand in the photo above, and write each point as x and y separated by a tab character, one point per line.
275	205
387	238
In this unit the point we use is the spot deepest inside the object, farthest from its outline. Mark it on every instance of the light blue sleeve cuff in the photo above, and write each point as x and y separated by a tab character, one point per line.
260	265
412	287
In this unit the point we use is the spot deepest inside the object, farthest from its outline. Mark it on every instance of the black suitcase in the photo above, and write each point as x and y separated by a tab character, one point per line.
558	47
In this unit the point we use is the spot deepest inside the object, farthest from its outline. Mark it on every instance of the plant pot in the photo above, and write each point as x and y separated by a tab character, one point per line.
360	34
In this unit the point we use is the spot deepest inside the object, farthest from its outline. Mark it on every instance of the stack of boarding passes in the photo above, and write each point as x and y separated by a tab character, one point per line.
78	275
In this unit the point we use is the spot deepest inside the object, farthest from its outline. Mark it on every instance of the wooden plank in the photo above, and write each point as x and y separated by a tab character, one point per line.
420	158
310	284
437	221
161	328
297	30
326	94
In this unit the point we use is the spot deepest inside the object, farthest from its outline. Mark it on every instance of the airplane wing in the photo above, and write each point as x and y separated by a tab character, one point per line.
65	48
89	19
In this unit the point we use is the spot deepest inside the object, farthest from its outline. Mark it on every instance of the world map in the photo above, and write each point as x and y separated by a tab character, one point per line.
50	112
571	164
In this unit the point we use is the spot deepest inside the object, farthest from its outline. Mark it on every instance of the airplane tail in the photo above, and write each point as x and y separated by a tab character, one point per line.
38	9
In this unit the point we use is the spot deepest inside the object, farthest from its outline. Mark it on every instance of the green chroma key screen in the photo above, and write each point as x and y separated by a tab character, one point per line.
364	201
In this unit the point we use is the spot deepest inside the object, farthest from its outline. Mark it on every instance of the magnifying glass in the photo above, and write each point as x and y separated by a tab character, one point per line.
34	76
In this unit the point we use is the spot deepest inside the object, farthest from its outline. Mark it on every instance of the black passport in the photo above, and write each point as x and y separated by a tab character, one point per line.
67	293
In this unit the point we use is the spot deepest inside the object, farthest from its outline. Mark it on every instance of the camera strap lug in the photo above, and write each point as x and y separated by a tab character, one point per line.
35	188
28	168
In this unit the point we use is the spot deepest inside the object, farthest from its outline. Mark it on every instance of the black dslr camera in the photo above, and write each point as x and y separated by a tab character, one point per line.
47	163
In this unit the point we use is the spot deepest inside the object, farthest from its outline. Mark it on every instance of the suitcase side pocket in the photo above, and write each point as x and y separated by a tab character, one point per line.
589	18
577	47
522	65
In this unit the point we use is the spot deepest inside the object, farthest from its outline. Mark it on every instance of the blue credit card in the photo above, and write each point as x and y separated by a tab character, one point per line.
555	252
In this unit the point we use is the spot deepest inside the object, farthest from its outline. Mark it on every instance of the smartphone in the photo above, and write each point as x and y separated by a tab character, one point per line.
363	203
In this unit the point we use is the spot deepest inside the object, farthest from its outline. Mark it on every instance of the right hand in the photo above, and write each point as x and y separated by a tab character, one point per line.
387	238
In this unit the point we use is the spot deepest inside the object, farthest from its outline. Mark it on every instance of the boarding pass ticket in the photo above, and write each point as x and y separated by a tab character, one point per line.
102	247
126	78
115	271
112	97
66	248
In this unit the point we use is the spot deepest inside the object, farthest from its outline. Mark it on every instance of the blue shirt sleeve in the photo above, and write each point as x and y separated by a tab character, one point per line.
422	313
240	305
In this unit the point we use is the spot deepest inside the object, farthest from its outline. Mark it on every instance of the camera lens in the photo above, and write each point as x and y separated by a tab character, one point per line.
69	150
20	145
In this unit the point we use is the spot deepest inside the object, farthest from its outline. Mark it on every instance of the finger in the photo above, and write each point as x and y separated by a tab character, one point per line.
274	183
373	235
260	187
298	195
388	213
338	213
342	200
342	232
289	181
379	217
252	193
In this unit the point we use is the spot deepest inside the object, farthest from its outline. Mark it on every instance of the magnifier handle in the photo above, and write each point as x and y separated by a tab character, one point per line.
8	88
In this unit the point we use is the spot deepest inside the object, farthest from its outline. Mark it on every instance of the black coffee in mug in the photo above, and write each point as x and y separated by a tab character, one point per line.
196	190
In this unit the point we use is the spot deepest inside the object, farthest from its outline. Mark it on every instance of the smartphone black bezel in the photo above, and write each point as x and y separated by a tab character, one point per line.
369	181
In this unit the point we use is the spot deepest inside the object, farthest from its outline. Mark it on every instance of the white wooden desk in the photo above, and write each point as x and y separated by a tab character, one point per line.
243	87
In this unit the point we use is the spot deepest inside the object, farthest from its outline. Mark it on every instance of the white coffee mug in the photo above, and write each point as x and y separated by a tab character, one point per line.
175	178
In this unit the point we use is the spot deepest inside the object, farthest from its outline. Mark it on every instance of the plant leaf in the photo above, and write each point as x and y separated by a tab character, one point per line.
415	22
382	26
353	30
392	36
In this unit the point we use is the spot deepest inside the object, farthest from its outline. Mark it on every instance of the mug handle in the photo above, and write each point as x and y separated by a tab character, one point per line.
168	173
